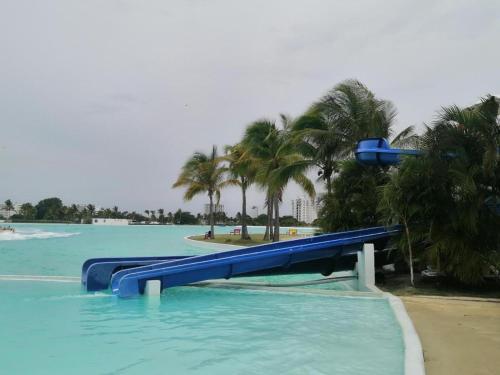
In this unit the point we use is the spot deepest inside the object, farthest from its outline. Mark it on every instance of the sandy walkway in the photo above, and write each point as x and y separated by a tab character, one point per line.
458	336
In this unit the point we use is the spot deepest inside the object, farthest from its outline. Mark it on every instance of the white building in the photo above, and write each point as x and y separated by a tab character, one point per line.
217	208
304	210
103	221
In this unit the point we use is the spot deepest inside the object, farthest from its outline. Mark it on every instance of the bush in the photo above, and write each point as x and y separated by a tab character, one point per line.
353	203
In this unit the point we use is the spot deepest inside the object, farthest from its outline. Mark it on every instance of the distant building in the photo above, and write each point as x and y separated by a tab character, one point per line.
218	208
305	210
102	221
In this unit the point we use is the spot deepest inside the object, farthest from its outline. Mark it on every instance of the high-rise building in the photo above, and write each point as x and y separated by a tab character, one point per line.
304	210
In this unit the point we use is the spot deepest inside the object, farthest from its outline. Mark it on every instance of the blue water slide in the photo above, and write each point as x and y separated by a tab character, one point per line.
377	151
97	272
312	251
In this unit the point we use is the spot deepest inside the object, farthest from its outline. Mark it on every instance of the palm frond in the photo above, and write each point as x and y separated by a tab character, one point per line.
406	138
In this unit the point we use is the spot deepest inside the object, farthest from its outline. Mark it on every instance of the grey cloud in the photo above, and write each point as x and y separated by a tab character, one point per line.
102	101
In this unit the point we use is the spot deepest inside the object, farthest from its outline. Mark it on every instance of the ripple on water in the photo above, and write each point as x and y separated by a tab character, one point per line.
199	331
55	328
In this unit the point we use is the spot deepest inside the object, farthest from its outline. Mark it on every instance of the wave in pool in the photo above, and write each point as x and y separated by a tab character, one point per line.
32	235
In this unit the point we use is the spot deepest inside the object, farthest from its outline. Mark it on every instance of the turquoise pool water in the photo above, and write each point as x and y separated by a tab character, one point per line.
56	328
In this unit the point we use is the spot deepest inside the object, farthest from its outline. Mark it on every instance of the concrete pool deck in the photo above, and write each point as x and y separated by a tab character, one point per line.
458	335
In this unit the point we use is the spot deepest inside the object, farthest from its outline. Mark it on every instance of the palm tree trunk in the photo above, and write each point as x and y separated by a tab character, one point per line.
211	215
276	237
270	219
244	229
268	234
410	252
329	184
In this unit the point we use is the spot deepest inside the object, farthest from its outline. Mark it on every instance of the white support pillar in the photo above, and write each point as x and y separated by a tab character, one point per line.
366	267
153	288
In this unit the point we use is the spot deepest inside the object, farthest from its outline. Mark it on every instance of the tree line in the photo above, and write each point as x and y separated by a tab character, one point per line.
53	210
447	199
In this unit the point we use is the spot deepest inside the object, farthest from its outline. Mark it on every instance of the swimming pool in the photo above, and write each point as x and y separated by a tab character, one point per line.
56	328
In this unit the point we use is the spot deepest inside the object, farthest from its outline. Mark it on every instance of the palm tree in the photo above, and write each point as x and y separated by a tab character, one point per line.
161	214
407	138
204	173
259	141
170	217
356	113
320	141
72	212
9	207
463	148
442	197
278	162
91	209
401	202
328	132
179	211
28	212
242	169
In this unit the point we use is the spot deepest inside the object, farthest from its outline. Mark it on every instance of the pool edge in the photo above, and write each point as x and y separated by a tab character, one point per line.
211	245
414	355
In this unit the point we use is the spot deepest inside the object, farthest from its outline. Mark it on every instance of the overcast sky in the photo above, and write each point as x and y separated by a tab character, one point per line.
102	101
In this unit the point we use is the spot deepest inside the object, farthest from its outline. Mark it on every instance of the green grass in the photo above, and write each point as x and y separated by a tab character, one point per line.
235	239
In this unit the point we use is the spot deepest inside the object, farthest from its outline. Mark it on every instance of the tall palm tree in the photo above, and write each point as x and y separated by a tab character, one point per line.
260	141
204	173
401	202
91	209
9	207
242	169
356	112
178	212
161	215
406	138
321	142
329	130
278	162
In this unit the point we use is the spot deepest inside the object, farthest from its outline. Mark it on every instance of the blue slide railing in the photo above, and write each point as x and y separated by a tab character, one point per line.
227	264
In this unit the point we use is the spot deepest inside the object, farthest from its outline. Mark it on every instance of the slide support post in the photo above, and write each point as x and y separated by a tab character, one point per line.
153	288
366	267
